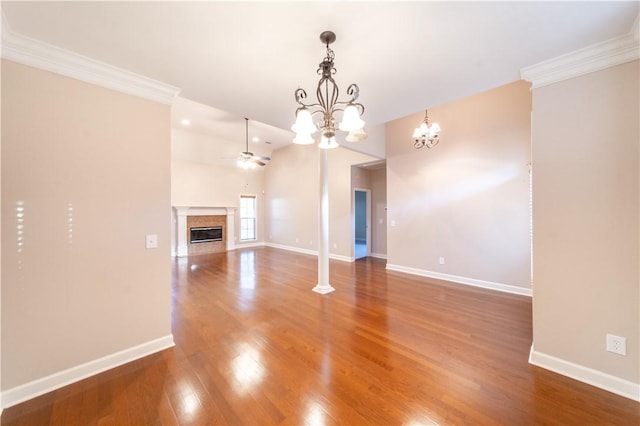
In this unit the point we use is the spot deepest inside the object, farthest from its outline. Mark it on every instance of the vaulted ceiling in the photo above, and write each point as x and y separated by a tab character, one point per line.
247	58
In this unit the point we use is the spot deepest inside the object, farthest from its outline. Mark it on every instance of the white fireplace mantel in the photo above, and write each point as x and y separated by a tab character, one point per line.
181	215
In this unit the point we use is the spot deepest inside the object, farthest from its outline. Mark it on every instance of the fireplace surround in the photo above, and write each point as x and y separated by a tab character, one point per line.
187	217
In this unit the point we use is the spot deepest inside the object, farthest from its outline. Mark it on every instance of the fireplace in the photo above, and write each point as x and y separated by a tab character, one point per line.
205	234
200	230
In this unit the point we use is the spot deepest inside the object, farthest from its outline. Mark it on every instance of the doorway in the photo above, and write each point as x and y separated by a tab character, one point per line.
362	220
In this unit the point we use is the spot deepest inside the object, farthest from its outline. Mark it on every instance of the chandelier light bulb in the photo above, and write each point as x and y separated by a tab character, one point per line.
328	143
304	122
303	139
356	136
351	119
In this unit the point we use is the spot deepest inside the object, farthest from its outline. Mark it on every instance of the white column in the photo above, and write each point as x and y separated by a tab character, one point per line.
231	228
181	240
323	286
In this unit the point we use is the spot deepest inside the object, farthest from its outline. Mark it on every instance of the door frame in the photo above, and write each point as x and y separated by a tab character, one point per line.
353	221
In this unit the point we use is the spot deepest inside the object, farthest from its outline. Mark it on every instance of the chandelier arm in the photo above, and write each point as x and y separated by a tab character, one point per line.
354	91
339	106
309	106
317	111
300	94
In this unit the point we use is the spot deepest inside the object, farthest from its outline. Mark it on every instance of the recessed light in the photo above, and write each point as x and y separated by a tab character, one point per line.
185	122
255	139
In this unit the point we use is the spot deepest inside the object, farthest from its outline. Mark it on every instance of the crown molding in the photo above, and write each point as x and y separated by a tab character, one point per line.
592	58
37	54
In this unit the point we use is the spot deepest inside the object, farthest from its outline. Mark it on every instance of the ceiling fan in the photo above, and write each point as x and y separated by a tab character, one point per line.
247	160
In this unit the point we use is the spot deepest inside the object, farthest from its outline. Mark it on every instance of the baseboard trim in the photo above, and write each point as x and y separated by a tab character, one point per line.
505	288
63	378
291	248
248	245
586	375
379	256
310	252
341	258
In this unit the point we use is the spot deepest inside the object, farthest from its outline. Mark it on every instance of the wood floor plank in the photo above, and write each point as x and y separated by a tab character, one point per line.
255	346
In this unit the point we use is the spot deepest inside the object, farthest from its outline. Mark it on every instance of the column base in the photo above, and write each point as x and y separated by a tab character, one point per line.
323	289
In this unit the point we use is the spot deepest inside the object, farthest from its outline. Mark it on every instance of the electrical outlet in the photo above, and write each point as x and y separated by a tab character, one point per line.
616	344
441	261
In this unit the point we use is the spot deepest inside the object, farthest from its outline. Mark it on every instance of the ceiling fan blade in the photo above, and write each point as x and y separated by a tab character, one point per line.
258	162
256	157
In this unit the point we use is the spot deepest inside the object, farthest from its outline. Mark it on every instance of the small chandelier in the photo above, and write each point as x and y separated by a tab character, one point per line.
327	94
425	134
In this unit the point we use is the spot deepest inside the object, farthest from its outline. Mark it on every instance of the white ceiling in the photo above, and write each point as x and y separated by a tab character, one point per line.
228	130
245	59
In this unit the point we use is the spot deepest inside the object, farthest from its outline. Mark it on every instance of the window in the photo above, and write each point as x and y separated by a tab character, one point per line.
247	217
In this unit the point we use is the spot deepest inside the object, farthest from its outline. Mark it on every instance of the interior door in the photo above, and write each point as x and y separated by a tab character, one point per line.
362	219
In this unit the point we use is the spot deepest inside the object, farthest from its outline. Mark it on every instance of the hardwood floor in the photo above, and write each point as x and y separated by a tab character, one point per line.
255	346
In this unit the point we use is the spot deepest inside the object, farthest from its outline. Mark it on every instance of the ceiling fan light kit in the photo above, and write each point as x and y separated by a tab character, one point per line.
327	95
247	160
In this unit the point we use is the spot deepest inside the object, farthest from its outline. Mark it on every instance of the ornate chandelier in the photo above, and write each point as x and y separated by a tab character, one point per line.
327	94
425	134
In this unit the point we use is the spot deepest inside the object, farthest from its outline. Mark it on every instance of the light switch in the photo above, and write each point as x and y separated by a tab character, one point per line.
152	241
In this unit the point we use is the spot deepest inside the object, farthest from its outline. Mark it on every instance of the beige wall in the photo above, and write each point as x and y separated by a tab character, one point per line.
586	219
378	180
291	198
92	169
360	178
206	185
467	199
1	333
373	145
